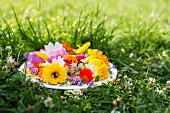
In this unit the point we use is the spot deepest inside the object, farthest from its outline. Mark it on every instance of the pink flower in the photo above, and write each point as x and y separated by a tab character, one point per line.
59	52
80	57
33	58
50	59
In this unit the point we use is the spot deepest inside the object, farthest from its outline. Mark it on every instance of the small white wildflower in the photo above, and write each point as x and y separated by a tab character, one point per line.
49	102
8	48
77	92
131	55
161	92
168	84
128	85
113	111
4	67
151	81
123	50
10	60
132	64
164	53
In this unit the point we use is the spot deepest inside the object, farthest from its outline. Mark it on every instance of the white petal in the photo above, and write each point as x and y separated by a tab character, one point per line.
59	61
58	45
49	47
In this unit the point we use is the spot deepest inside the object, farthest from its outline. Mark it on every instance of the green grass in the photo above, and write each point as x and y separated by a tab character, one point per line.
134	34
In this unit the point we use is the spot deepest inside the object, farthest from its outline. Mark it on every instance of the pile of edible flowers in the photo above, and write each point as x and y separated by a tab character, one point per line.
59	63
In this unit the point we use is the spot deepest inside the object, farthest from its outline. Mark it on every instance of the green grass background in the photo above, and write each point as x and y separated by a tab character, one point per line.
117	27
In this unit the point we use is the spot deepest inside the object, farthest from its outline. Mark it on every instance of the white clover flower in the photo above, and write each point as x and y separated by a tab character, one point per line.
123	50
132	64
10	60
4	67
164	53
161	92
8	48
131	55
151	79
77	92
168	84
49	102
113	111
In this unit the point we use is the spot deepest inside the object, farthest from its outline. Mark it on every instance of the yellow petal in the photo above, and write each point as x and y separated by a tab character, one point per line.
92	52
83	48
42	55
97	62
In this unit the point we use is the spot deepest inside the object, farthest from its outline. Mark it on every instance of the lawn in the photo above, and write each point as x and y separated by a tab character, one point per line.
134	34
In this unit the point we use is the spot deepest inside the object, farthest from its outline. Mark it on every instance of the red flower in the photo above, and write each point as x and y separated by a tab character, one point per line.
86	75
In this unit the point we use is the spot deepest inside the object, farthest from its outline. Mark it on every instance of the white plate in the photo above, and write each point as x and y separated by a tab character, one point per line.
83	86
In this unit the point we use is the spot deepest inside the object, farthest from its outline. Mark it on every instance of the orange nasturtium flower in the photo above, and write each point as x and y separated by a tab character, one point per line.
67	47
70	59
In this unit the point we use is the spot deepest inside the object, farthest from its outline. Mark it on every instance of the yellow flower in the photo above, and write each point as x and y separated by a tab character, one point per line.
83	48
54	74
103	72
92	52
95	54
97	62
42	55
103	58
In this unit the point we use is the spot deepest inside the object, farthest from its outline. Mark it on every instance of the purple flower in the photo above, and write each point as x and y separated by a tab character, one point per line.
90	83
34	71
80	82
73	79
